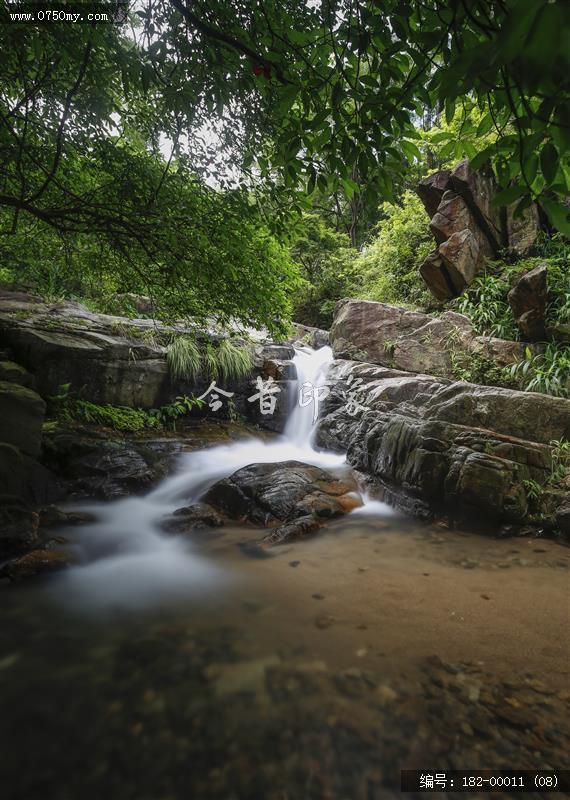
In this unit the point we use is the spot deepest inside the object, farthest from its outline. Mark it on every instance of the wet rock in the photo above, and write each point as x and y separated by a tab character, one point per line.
255	549
119	361
15	373
25	479
189	518
314	337
324	621
51	516
527	300
22	414
93	465
267	494
18	528
435	445
296	529
37	562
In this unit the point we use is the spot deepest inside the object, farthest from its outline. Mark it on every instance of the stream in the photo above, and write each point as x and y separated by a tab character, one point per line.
164	667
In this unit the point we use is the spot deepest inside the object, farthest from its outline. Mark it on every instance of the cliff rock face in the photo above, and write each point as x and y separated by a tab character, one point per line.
468	228
434	444
123	362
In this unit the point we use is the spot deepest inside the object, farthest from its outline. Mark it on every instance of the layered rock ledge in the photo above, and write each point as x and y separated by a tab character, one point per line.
435	445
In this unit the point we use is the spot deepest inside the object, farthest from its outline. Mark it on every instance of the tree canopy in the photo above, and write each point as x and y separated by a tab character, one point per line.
106	129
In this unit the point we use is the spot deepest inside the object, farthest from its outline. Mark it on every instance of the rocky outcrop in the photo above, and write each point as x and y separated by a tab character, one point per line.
23	480
433	444
91	464
123	362
22	414
468	228
381	334
314	337
527	300
293	497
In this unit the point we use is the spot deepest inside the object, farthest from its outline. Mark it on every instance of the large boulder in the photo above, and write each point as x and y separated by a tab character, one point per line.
468	228
381	334
527	300
273	494
367	331
436	445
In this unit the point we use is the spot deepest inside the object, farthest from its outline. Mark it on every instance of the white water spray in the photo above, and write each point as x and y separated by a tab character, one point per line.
129	562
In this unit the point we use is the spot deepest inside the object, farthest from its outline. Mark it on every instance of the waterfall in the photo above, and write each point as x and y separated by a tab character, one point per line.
126	559
311	368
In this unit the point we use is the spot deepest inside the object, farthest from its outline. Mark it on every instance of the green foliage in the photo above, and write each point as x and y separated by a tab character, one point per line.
186	358
235	361
210	361
476	368
559	472
486	305
388	266
327	267
167	415
64	406
486	301
560	466
183	357
120	418
470	130
533	490
547	372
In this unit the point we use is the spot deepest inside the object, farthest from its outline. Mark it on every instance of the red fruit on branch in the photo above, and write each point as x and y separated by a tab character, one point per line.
258	70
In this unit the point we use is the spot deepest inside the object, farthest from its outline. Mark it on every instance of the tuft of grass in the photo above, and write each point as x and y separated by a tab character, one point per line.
235	361
183	358
211	362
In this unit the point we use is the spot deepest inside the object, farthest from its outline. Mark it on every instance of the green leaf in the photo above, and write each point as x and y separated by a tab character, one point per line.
440	137
558	214
411	150
482	157
485	125
508	196
549	162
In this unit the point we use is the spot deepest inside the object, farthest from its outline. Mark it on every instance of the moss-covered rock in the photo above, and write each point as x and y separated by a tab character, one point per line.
15	373
21	417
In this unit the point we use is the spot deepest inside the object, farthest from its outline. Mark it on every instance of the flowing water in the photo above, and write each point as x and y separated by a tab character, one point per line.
164	667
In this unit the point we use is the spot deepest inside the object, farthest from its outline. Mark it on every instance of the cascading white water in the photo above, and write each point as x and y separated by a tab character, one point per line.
128	562
311	368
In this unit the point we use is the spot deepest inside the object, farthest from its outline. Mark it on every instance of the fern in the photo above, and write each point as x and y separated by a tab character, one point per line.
183	358
235	361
